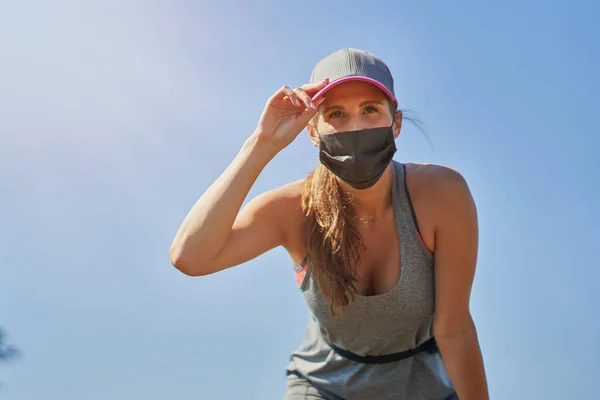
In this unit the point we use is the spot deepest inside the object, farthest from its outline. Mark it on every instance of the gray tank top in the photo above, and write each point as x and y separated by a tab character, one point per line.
392	322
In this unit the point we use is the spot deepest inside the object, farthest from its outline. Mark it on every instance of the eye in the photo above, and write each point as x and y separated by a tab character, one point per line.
336	114
371	109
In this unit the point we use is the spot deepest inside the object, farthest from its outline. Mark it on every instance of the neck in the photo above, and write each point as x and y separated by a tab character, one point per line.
369	204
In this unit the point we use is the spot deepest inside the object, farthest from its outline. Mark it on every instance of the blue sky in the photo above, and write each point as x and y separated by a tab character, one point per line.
116	115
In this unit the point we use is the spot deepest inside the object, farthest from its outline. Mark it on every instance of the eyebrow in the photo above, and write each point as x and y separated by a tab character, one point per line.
364	103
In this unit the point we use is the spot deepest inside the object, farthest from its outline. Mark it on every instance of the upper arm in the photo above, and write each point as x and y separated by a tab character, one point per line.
261	225
455	254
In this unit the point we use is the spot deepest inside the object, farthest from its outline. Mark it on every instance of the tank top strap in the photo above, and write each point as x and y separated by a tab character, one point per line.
406	219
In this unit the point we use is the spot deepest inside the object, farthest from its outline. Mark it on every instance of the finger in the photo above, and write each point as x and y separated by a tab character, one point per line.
305	98
315	86
306	116
312	88
286	93
293	98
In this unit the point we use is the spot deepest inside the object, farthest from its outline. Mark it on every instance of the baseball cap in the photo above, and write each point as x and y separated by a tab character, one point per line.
353	65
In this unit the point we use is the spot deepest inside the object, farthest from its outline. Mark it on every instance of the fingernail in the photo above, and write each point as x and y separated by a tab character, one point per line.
312	105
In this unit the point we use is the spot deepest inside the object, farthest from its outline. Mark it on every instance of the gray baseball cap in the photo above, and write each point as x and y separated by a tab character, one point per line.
353	65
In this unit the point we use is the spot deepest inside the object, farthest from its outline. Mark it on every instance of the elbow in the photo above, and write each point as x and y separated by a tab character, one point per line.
184	264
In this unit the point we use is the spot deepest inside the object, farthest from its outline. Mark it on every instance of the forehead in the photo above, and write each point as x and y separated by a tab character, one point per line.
353	92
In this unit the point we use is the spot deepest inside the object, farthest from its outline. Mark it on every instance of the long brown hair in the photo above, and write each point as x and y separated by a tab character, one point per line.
333	242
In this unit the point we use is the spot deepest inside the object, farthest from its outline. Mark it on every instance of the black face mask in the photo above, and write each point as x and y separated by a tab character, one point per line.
360	157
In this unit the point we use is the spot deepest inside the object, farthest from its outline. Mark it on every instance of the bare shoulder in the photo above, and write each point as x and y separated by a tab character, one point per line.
440	193
281	205
287	196
436	180
434	173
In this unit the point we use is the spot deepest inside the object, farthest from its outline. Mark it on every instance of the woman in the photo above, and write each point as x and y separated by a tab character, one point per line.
364	233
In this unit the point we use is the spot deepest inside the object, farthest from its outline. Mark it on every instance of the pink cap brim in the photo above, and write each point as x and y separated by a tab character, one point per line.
333	84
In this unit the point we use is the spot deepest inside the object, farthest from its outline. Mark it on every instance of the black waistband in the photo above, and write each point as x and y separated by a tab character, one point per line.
429	345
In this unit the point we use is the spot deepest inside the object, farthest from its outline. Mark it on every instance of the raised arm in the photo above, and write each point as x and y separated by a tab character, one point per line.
215	235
